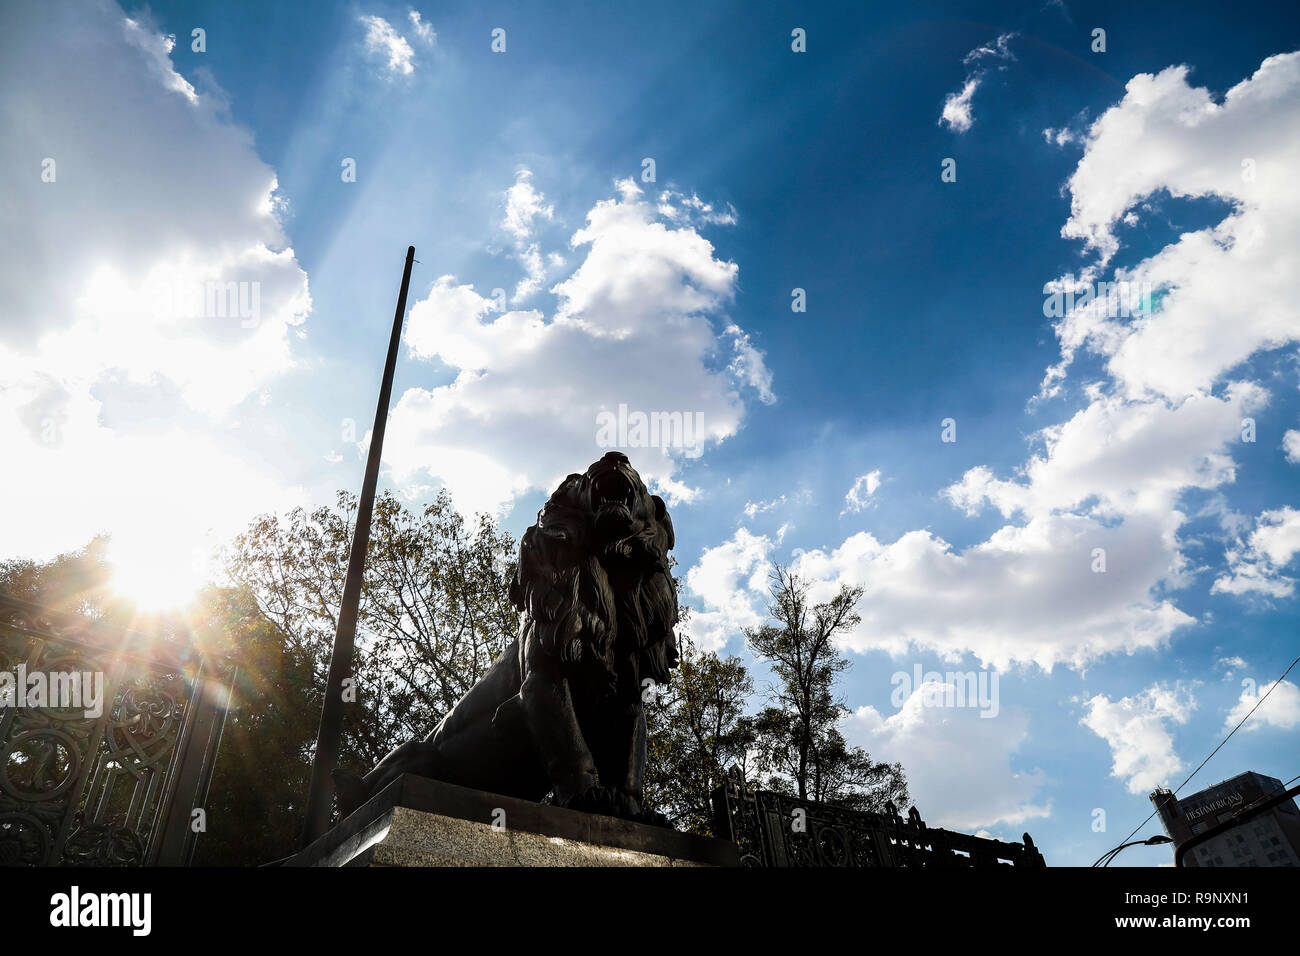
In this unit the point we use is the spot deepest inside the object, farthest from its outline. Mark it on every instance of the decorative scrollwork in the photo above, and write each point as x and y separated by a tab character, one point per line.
39	765
101	779
146	724
832	846
863	849
103	844
24	840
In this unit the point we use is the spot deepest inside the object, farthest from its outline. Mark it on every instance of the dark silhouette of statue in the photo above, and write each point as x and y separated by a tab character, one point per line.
561	711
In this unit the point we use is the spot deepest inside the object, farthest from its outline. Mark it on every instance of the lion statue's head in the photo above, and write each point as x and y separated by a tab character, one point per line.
594	581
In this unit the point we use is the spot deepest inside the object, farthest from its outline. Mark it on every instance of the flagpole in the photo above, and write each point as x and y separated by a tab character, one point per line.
321	791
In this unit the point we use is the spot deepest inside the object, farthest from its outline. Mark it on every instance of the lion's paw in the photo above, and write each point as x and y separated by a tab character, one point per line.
595	799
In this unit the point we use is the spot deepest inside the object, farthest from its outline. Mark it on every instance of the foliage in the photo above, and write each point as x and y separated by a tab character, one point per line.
255	800
697	729
435	609
800	748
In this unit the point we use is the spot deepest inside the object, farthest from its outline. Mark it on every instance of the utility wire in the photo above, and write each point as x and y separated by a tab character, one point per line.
1272	688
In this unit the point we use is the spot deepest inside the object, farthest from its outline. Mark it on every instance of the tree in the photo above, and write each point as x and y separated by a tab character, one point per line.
77	582
435	609
697	728
799	745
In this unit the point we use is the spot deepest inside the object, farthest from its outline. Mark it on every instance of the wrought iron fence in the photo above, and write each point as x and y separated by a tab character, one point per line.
775	829
115	788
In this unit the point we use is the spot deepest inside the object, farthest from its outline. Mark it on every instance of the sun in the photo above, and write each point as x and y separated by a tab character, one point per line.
155	578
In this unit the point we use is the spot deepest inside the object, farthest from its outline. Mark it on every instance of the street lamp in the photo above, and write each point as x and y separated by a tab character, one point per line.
1109	855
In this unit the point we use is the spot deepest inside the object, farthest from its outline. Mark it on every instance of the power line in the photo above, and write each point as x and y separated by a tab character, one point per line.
1272	688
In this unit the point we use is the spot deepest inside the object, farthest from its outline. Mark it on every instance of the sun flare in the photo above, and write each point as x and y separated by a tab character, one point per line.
155	579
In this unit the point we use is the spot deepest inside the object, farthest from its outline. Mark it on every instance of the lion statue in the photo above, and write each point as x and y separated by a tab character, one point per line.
561	710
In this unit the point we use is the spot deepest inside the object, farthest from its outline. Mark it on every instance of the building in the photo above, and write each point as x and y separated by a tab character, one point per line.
1271	838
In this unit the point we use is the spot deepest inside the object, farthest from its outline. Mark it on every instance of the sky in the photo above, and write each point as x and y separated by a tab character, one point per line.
971	305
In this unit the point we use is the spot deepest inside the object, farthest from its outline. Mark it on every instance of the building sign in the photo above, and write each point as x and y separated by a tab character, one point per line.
1223	803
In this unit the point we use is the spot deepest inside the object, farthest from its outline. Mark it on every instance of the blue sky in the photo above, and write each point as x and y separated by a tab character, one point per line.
774	170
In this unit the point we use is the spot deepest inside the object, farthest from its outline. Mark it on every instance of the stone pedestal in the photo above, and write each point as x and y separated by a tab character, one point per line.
420	822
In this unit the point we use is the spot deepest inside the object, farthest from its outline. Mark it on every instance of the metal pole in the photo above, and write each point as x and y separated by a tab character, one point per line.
321	790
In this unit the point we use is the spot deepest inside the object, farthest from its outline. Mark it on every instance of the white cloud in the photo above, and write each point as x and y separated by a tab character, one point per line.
634	326
1252	577
1117	457
958	114
424	31
1280	709
999	49
1230	665
754	508
729	578
748	366
382	40
958	764
681	209
673	492
1060	136
1277	536
1027	594
524	204
1291	446
858	497
1168	136
157	48
115	278
1136	730
1255	566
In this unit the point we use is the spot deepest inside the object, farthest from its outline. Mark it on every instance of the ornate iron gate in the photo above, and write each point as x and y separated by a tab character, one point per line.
119	788
774	829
